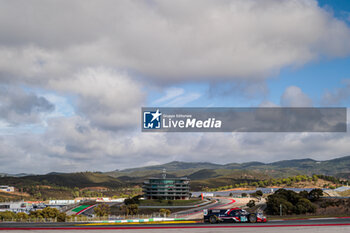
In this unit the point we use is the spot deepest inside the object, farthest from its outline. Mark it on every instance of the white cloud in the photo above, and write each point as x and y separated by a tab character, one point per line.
294	97
170	93
168	41
102	53
72	145
268	104
107	98
184	99
19	107
337	96
176	97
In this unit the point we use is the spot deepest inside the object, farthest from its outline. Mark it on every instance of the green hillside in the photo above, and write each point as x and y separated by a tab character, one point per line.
71	180
202	175
227	177
176	166
339	167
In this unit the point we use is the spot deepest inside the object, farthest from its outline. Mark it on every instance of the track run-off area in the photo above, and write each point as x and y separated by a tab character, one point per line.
338	225
190	224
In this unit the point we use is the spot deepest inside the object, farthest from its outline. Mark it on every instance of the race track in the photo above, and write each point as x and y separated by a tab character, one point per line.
338	225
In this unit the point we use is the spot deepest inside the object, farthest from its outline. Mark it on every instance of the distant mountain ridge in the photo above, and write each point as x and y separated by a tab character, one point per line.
14	175
340	166
303	166
202	174
176	165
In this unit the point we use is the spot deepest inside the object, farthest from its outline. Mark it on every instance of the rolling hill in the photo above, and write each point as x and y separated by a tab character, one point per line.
71	180
201	174
339	167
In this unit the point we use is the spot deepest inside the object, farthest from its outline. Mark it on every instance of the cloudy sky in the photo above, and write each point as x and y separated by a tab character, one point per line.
75	74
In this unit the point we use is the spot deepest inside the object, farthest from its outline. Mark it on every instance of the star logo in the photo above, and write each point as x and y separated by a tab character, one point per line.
156	115
152	119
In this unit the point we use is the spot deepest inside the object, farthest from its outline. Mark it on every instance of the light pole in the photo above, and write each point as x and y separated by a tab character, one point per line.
280	209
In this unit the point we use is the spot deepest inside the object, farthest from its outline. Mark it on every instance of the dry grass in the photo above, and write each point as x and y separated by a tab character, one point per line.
345	193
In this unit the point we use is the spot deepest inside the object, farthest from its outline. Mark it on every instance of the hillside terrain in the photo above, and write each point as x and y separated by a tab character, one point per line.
70	180
64	186
204	176
214	175
339	167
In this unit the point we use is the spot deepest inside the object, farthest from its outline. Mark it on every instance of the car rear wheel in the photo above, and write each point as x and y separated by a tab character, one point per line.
213	219
252	218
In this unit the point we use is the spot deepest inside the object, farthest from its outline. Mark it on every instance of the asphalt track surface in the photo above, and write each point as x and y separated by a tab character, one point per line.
294	224
216	204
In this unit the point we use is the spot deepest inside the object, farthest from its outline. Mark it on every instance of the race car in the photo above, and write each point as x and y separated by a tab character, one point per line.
232	215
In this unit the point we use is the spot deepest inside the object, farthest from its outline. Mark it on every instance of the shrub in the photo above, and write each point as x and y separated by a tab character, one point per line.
170	202
102	210
165	212
132	209
259	193
133	200
291	202
7	215
47	212
61	217
251	203
315	194
22	216
304	206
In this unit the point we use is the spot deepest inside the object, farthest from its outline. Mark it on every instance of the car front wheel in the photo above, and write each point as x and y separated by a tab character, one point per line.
213	219
252	218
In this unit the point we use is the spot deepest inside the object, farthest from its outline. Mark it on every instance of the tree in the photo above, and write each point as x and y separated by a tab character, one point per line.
304	206
291	202
133	200
132	209
165	212
49	212
22	216
261	184
274	203
61	217
102	210
259	193
315	194
304	194
35	214
7	215
251	203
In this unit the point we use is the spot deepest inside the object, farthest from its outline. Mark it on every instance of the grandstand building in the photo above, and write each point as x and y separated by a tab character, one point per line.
167	188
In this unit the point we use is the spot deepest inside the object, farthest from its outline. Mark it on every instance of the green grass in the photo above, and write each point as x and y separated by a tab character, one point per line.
169	203
71	180
79	208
